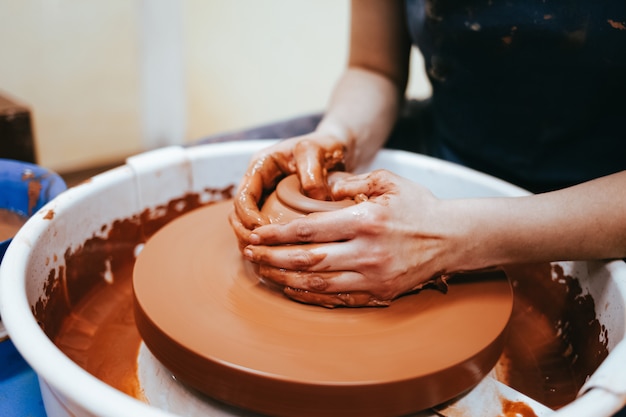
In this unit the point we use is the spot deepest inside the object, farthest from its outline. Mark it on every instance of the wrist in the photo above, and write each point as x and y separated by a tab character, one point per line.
472	243
341	134
334	129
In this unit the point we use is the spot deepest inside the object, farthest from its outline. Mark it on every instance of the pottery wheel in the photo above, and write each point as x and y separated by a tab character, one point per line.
203	314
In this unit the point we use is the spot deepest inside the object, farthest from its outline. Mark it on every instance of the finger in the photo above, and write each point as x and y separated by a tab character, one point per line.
322	282
335	156
291	257
246	202
271	167
262	175
372	184
312	173
313	161
241	232
339	225
357	299
314	257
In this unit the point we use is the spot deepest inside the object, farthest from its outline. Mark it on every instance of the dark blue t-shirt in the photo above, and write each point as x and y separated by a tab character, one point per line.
532	91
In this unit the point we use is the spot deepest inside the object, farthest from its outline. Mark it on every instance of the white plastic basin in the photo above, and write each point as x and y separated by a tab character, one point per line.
155	178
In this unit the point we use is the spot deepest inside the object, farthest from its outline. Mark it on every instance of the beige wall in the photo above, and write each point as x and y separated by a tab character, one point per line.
249	62
80	66
254	61
74	64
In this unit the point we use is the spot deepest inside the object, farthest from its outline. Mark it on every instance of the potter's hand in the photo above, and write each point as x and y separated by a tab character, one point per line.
310	156
367	254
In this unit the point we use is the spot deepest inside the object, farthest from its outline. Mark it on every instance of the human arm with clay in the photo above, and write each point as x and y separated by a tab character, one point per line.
361	113
402	236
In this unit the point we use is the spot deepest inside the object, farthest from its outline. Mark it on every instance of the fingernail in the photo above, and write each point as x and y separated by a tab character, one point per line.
247	253
255	239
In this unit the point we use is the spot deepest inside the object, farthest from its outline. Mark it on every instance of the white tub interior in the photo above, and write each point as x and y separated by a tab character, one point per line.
153	179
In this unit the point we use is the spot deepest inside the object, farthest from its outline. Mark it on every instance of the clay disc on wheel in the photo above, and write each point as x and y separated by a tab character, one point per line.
205	316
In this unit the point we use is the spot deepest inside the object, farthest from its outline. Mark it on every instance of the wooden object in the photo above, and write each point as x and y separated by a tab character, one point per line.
16	134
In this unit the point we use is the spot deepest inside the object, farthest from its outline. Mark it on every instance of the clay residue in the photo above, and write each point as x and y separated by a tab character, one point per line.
516	409
556	341
99	333
86	306
33	189
617	25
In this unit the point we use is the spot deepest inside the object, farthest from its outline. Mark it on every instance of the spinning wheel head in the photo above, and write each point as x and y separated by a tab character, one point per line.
204	315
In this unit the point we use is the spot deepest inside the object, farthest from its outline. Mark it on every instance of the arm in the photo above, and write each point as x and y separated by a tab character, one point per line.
360	115
587	221
404	236
365	103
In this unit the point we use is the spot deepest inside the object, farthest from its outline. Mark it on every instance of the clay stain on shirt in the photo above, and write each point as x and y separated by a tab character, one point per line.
617	25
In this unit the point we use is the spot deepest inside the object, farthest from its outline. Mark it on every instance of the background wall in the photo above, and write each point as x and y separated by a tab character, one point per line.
106	80
74	63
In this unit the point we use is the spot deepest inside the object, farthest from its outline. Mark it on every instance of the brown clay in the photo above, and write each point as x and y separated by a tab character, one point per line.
209	320
289	201
91	318
516	409
10	223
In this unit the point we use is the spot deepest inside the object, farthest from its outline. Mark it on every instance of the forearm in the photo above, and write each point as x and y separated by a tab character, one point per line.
587	221
361	113
365	103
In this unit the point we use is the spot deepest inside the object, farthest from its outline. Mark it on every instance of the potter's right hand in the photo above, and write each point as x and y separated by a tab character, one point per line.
395	240
310	156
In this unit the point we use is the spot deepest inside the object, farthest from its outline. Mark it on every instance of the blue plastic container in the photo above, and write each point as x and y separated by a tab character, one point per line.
25	188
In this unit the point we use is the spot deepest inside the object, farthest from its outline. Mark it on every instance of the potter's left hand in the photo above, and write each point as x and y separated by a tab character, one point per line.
310	156
366	254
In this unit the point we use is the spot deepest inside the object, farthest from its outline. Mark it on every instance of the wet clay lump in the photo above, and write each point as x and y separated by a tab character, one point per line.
289	201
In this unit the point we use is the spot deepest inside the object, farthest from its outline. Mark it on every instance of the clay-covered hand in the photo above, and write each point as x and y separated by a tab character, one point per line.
311	156
390	243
